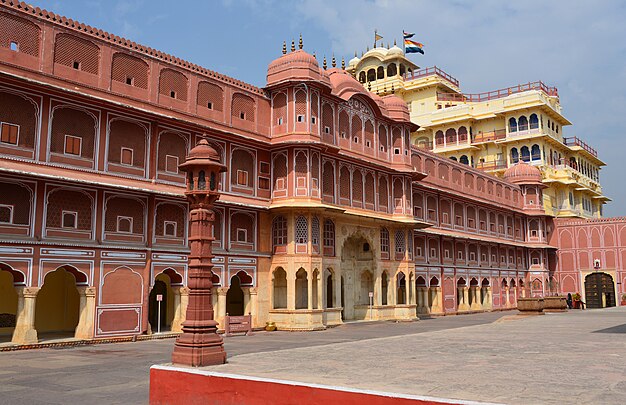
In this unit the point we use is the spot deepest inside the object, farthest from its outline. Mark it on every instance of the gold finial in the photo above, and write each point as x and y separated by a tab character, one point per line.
394	42
368	48
324	64
334	62
300	44
284	47
355	54
293	45
392	89
343	63
314	55
369	86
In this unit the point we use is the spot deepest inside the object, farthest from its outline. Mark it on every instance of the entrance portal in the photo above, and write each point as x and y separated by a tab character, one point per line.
58	302
234	298
8	304
599	290
357	265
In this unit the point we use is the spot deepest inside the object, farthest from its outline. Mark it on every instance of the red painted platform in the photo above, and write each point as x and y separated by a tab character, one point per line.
177	385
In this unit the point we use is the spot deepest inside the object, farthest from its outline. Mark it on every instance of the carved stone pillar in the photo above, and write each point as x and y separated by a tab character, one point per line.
476	305
221	305
86	312
254	296
199	344
25	332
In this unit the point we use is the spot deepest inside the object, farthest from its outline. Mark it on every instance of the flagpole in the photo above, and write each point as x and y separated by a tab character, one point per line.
375	36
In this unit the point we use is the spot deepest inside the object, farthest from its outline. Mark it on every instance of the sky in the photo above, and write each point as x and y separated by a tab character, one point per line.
578	46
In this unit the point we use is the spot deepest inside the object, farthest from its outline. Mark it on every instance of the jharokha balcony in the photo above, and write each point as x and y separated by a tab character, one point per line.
429	72
489	136
491	165
492	95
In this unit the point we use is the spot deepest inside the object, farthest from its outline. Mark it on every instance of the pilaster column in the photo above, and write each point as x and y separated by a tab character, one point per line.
476	304
178	316
407	288
253	305
320	290
221	305
87	307
437	300
25	332
291	290
246	300
309	291
378	289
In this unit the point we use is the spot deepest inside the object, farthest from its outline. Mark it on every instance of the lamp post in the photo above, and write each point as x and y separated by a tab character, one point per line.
199	344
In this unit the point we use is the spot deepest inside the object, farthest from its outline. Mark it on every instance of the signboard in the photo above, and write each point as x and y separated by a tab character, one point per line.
159	297
371	294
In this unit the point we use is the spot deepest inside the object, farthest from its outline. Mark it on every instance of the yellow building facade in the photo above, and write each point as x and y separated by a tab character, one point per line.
491	131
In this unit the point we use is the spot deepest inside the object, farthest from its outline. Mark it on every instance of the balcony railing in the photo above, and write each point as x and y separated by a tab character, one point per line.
574	141
492	95
428	72
491	165
427	145
489	136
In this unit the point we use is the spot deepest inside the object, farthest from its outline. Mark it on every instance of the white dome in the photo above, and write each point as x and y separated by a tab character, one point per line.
353	61
395	50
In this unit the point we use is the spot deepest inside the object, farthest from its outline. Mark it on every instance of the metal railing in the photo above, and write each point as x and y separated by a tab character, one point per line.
575	141
428	72
492	95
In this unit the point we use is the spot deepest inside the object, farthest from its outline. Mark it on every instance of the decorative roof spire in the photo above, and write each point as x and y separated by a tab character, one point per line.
392	89
355	54
300	44
324	64
388	45
369	86
284	47
293	45
334	62
314	55
343	63
394	42
368	48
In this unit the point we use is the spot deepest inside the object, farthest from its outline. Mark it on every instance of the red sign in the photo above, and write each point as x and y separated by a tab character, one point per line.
159	297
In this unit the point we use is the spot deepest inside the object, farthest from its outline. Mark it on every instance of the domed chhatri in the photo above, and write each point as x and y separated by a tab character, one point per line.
523	173
203	151
296	65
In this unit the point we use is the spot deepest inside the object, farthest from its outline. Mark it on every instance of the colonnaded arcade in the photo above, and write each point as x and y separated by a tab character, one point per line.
325	201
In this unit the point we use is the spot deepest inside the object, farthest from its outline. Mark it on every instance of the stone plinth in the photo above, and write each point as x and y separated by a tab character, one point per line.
530	306
554	304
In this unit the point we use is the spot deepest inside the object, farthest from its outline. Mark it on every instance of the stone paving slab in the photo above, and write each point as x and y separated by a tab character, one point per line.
550	359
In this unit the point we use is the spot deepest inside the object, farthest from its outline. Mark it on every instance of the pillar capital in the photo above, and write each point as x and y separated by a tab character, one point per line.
28	292
253	291
222	290
184	291
86	291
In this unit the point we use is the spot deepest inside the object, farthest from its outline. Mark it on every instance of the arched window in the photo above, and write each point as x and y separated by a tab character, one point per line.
451	136
439	138
329	238
525	153
384	243
315	234
534	121
371	75
302	230
535	152
462	134
242	168
362	77
279	233
514	155
302	289
453	158
392	70
280	288
464	160
512	125
522	123
380	73
201	180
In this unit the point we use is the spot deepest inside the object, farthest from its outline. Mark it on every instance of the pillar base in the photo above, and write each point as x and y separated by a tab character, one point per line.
199	348
25	336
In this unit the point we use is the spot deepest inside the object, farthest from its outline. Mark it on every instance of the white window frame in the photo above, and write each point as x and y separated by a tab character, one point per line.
80	147
132	156
166	165
17	140
117	225
10	207
245	234
75	214
165	224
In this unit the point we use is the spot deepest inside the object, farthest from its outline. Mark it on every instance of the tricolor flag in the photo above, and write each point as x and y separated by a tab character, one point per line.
413	47
407	35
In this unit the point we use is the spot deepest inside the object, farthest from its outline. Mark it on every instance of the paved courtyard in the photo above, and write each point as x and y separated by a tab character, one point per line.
577	357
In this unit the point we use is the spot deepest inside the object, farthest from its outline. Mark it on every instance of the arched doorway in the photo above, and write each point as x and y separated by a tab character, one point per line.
8	303
234	298
329	289
280	288
302	289
163	288
599	290
357	264
57	306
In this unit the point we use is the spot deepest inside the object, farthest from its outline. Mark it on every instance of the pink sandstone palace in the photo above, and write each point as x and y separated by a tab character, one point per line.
327	212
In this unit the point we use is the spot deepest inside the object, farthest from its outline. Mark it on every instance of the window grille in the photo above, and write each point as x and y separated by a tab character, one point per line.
400	242
315	231
302	230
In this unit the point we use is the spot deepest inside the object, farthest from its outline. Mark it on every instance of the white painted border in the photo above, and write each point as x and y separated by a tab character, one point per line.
207	373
